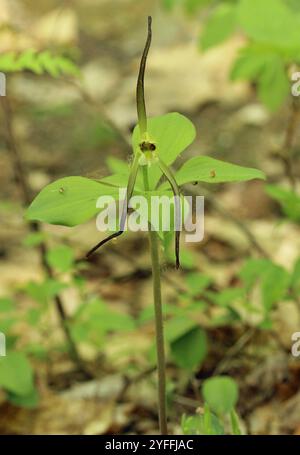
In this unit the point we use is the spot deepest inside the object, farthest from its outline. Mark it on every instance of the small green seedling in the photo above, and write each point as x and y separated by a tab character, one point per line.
220	394
156	144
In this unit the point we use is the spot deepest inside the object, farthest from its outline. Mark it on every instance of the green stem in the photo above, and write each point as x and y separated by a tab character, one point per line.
159	329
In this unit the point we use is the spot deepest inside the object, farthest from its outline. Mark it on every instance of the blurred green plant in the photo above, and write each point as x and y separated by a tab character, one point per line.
38	62
272	29
288	200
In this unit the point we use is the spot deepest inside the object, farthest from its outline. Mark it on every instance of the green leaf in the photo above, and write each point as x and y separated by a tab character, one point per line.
235	425
117	166
28	401
192	6
295	280
197	283
121	181
274	84
221	394
220	25
66	66
16	374
169	4
6	304
95	318
190	349
252	270
275	283
38	63
48	63
294	5
288	200
195	425
250	62
61	258
8	62
266	67
274	280
42	292
269	21
177	327
68	201
210	170
34	239
227	297
28	61
172	134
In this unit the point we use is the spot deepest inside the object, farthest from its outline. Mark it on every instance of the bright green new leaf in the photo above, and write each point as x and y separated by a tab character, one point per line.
210	170
61	258
34	239
275	284
8	62
273	83
269	22
16	374
197	283
221	394
235	424
295	279
288	200
274	280
250	62
220	25
177	327
69	201
172	133
42	292
252	269
28	401
38	63
192	6
190	349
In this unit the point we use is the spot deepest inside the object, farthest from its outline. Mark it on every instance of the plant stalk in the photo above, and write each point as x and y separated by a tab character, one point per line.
159	329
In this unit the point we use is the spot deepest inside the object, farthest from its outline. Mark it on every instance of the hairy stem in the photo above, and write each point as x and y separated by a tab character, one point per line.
159	329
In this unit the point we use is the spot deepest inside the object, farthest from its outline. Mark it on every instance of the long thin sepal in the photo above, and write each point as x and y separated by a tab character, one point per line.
171	179
140	92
